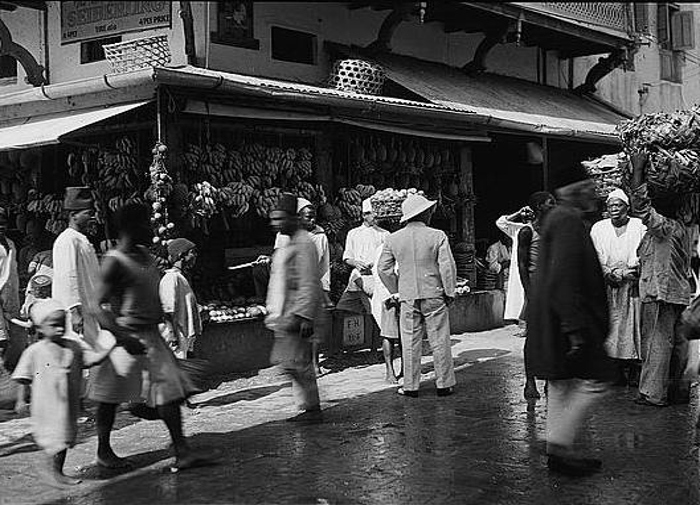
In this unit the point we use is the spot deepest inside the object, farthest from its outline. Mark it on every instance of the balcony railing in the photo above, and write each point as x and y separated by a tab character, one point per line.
612	15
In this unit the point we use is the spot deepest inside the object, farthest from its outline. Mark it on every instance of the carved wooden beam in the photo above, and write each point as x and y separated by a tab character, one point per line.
492	37
34	71
401	13
604	66
188	28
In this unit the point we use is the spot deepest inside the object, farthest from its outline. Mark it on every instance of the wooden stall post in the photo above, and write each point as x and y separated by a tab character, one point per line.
467	219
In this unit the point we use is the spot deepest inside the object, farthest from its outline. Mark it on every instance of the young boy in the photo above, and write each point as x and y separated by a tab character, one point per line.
53	366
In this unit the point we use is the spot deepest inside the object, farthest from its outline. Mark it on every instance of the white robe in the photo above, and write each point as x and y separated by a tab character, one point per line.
515	295
624	340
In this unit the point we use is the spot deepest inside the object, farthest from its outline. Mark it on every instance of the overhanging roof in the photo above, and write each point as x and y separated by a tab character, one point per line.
453	103
521	104
51	128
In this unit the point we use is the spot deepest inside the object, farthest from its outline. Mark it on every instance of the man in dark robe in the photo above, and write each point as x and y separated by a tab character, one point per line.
568	324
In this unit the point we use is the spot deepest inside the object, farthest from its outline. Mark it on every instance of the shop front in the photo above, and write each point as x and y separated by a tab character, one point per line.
233	144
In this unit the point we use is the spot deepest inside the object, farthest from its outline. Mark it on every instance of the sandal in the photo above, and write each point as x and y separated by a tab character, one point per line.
410	394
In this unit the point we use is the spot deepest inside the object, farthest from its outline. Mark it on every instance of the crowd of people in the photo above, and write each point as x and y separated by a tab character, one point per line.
599	303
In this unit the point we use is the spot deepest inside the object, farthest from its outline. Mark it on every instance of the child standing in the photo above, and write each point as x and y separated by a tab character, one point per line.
182	320
53	365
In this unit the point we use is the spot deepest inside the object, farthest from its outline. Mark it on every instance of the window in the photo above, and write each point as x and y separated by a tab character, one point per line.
675	32
92	50
294	46
641	17
234	25
671	65
8	69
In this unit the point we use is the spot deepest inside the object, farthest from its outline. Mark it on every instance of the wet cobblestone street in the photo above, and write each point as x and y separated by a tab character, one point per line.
482	445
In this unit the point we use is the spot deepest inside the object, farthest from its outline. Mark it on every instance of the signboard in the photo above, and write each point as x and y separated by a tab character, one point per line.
82	21
353	330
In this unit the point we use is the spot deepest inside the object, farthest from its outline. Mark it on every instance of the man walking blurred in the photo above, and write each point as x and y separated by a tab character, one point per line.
293	302
425	285
568	324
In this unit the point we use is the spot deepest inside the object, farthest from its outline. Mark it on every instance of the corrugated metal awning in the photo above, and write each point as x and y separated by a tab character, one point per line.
49	129
511	103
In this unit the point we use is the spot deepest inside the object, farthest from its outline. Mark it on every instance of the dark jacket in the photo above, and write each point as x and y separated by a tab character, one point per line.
569	296
664	254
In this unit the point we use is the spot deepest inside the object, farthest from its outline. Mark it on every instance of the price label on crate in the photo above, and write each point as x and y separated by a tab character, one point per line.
353	330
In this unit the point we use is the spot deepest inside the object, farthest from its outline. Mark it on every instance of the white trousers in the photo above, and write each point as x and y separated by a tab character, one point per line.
420	318
568	402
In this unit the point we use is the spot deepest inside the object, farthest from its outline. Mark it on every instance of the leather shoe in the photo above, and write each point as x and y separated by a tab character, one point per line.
445	391
404	392
575	467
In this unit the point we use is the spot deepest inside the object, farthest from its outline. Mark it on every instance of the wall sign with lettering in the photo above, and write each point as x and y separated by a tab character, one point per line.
88	20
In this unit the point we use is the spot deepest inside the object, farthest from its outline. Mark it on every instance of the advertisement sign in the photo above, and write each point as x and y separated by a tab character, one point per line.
82	21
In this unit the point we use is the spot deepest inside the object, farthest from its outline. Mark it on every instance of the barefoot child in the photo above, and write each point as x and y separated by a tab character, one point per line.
53	366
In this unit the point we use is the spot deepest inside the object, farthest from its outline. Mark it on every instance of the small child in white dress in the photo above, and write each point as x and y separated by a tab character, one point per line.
53	366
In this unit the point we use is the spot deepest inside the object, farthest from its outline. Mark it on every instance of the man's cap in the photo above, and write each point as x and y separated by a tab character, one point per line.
78	198
287	202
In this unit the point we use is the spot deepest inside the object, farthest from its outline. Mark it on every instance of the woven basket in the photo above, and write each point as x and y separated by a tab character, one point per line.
138	53
357	76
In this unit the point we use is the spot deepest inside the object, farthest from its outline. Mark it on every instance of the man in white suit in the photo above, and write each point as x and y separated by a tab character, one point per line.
425	285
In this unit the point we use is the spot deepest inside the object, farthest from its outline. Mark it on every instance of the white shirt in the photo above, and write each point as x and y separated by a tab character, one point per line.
362	244
618	251
75	277
320	240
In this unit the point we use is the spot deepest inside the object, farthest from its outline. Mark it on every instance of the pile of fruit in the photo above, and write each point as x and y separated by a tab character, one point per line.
223	313
608	172
247	177
672	141
387	202
350	203
462	288
51	205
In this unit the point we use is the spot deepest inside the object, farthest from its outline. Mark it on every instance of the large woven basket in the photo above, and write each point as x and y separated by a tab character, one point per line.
138	53
358	76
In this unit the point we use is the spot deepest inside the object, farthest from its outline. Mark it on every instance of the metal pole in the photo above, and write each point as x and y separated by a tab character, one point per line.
545	164
159	116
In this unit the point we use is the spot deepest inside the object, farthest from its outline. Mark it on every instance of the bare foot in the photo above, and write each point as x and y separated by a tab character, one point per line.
194	459
391	379
112	461
49	475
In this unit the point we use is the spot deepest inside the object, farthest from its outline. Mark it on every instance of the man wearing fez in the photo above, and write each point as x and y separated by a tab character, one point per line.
76	268
293	301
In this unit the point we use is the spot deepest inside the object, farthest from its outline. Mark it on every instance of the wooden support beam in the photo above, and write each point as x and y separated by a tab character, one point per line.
401	13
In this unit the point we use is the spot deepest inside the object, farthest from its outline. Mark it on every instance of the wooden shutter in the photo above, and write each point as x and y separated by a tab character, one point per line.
682	30
641	17
662	24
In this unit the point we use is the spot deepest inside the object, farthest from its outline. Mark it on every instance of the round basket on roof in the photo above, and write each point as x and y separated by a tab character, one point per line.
357	76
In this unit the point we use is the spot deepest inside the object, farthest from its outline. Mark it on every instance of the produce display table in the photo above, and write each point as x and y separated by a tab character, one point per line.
477	311
238	346
245	345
